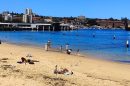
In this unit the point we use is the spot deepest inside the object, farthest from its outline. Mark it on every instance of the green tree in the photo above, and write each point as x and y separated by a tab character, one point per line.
91	22
112	19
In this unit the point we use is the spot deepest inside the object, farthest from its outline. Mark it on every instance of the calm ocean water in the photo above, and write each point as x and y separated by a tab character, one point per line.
102	46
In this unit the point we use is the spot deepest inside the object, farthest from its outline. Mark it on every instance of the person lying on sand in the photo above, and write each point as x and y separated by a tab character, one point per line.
64	71
24	60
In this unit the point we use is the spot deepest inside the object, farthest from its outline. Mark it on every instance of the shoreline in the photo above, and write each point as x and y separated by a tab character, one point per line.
58	51
64	52
87	71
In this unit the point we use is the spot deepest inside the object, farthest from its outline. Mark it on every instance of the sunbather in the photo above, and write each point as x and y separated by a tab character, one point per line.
64	71
24	60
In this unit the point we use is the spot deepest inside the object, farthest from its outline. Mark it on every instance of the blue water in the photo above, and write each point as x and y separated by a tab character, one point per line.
102	46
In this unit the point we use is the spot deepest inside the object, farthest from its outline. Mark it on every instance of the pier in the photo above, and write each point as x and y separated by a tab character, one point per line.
35	27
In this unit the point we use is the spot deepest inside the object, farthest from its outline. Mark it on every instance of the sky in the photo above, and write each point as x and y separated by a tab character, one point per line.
67	8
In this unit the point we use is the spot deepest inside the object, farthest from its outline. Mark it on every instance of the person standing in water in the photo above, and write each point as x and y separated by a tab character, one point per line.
114	37
127	44
93	35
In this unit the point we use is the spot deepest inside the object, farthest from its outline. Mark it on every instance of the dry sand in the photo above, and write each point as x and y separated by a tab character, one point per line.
87	71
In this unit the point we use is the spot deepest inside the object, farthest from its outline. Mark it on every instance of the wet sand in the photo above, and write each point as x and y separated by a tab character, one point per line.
87	71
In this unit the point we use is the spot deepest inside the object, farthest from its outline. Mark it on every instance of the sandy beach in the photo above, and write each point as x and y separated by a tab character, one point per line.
87	71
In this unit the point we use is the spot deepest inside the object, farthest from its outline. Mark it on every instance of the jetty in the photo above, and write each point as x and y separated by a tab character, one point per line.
36	27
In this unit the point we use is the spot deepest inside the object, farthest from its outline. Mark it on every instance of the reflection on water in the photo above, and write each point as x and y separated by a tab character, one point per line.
99	43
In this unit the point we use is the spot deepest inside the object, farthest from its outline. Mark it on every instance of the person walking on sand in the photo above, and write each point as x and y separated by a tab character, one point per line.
78	52
61	48
49	44
46	47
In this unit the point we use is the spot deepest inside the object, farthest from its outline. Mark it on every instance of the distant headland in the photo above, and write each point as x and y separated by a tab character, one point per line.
11	21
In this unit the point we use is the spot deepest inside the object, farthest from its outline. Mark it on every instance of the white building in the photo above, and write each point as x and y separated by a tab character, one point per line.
27	17
81	17
47	20
28	11
30	18
7	16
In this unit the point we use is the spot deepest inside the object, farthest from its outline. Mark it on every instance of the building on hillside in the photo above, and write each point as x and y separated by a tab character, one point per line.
28	16
105	23
38	20
28	11
81	17
119	24
81	20
129	24
17	19
7	16
48	20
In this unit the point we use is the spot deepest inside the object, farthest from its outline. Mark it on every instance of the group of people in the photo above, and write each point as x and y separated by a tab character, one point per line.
64	71
68	51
